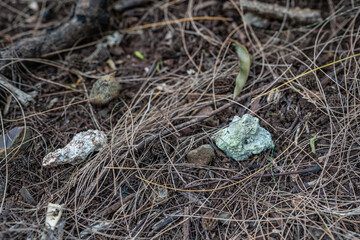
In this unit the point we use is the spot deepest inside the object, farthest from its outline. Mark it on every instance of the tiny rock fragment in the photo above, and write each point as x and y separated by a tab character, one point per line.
14	142
159	194
114	39
33	5
243	138
202	155
209	221
104	90
53	215
256	20
52	103
80	147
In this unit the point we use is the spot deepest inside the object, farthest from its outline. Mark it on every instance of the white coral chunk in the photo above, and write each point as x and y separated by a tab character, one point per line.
80	147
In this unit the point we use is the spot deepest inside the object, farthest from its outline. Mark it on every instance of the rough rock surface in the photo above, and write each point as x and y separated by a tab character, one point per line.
202	155
79	148
104	90
243	138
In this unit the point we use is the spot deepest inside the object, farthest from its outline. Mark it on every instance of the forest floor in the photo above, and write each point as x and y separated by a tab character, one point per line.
186	66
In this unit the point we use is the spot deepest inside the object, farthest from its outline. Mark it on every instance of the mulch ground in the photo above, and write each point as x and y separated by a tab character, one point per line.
113	195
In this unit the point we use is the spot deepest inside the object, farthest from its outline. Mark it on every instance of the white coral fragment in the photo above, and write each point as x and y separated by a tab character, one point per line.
53	215
80	147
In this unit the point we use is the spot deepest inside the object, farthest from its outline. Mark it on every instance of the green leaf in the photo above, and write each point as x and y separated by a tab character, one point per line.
159	65
312	144
139	55
206	54
245	62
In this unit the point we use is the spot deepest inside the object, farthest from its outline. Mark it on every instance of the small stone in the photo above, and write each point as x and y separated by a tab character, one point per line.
159	194
243	138
202	155
104	90
79	148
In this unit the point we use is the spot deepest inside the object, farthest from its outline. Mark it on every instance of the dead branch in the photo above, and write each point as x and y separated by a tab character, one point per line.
89	15
305	15
23	97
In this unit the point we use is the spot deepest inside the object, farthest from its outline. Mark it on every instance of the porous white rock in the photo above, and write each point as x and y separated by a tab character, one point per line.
79	148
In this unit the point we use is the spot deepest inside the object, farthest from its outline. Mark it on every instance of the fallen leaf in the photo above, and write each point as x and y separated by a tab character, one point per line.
139	55
244	61
312	144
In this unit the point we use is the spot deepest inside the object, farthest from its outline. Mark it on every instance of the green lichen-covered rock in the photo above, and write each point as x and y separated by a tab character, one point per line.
243	138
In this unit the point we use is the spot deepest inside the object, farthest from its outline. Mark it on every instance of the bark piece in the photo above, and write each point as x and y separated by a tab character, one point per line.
305	15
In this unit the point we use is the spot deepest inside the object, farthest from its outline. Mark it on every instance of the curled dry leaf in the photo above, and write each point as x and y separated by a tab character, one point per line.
244	61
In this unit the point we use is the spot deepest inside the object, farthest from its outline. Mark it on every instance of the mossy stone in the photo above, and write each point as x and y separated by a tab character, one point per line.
104	90
201	155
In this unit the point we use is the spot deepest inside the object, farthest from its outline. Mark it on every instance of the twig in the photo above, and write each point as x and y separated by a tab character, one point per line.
23	97
186	225
125	5
89	15
164	222
298	14
116	205
314	169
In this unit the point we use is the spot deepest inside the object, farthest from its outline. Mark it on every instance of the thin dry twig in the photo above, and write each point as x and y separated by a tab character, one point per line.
23	97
